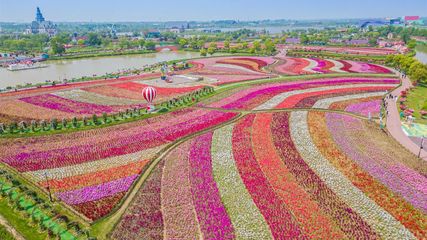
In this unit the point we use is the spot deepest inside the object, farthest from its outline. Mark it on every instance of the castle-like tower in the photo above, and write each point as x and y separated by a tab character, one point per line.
40	25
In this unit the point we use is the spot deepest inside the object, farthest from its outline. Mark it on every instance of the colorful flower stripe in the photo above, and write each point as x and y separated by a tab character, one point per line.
246	218
342	104
380	220
314	222
412	219
213	218
161	92
311	64
94	98
337	66
291	101
328	103
346	66
111	91
127	144
95	178
69	106
365	108
249	96
178	211
287	95
96	192
143	218
99	208
323	66
16	110
349	221
251	64
375	162
92	166
309	102
98	137
283	225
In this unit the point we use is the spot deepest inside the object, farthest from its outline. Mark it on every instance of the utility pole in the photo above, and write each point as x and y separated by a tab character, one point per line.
421	146
48	187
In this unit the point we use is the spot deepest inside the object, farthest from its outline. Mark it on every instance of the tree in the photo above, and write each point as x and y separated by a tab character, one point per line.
150	45
203	52
304	39
226	44
80	42
93	39
256	46
56	46
211	50
412	44
182	42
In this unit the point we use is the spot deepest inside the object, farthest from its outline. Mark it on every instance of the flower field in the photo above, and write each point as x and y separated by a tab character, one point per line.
283	176
297	66
92	170
318	93
349	50
233	69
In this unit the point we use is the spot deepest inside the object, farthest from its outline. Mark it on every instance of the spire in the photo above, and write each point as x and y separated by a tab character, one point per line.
39	15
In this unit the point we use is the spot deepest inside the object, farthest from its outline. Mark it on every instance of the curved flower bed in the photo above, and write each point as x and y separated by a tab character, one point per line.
86	168
268	176
267	96
297	66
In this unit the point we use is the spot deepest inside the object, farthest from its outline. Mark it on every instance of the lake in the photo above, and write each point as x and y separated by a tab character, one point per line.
68	69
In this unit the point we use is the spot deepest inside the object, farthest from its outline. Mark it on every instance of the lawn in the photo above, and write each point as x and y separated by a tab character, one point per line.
417	100
4	234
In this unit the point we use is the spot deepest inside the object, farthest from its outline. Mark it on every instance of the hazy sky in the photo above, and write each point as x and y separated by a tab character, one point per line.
169	10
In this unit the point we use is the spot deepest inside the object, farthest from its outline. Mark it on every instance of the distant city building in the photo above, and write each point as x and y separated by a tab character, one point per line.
41	26
152	34
413	20
357	42
293	40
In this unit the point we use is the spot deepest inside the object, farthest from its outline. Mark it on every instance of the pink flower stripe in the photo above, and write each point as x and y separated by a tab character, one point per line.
282	223
96	192
213	218
255	96
292	101
143	219
348	220
179	215
125	144
313	220
69	106
364	108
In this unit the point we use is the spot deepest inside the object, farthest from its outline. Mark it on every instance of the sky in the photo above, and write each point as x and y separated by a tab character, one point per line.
205	10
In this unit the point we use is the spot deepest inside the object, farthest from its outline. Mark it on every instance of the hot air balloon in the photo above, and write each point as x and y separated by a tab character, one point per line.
149	94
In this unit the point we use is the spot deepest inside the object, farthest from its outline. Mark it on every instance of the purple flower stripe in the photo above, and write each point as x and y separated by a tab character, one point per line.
364	108
374	161
240	102
96	192
213	218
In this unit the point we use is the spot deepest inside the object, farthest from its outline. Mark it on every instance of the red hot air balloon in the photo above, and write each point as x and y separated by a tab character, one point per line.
149	94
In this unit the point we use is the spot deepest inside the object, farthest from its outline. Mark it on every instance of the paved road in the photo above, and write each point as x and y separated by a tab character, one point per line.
394	125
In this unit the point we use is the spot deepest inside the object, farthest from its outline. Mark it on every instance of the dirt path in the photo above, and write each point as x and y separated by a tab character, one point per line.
10	229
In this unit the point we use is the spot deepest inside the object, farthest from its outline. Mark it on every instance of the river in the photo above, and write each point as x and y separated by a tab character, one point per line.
421	56
60	69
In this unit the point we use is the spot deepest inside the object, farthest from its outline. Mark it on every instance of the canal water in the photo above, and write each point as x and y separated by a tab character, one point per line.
422	57
68	69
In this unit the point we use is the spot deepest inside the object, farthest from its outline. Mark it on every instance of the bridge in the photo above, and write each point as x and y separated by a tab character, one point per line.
367	23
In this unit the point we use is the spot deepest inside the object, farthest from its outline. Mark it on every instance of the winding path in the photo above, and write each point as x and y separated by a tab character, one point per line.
394	126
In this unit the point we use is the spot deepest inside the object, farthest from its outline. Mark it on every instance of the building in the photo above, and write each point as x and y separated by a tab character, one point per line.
413	20
41	26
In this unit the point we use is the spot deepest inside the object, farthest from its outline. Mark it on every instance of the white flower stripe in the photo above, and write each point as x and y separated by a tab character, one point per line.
337	66
380	220
247	220
95	98
276	100
326	103
92	166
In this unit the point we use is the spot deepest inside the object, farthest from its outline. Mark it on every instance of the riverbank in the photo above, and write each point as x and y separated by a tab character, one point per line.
99	54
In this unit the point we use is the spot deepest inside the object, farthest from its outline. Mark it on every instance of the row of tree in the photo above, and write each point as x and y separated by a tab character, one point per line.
410	66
